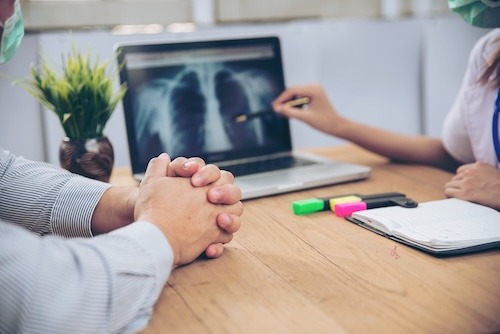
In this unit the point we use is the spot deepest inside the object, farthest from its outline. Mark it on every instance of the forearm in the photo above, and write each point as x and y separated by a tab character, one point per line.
395	146
114	210
106	284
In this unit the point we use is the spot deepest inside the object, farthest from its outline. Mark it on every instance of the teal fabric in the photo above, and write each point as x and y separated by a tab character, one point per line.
13	32
483	13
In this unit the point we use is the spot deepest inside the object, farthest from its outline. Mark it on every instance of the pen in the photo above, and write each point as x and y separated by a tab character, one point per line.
298	102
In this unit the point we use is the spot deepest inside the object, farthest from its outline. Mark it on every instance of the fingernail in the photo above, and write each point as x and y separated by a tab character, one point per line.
163	155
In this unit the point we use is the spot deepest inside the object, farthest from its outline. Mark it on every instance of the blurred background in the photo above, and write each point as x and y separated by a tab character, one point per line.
396	64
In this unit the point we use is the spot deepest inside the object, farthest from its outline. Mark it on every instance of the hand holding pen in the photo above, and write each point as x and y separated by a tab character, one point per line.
319	114
297	102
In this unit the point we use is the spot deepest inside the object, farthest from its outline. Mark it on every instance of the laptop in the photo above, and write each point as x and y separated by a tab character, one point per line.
212	99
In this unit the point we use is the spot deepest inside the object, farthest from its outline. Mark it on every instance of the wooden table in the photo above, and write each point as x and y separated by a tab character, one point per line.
318	273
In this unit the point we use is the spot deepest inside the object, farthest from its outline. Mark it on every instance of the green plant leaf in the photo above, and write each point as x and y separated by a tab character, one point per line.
81	95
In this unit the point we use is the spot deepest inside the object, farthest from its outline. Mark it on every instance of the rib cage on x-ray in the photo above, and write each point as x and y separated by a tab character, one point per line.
193	111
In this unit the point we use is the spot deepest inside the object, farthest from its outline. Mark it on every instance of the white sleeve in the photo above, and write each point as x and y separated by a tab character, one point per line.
106	284
466	133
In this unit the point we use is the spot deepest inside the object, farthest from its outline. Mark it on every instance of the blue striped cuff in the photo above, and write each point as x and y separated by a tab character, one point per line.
74	206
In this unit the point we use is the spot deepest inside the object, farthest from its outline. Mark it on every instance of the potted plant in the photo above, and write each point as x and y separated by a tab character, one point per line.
82	97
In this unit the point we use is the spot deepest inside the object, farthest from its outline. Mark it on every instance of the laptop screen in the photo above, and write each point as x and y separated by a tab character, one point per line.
210	99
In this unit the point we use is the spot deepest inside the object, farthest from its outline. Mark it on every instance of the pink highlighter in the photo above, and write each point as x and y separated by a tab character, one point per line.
346	209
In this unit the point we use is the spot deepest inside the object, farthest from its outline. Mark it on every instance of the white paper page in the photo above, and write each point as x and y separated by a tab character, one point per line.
444	222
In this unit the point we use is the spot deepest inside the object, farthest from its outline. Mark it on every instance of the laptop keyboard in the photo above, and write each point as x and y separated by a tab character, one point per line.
267	165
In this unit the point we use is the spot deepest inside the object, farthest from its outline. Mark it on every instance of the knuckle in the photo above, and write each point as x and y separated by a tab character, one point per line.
240	207
197	160
227	175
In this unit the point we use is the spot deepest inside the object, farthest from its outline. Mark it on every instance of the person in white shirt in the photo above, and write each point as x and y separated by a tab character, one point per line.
83	256
469	144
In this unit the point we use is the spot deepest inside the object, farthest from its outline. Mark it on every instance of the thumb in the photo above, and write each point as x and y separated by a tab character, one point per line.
157	167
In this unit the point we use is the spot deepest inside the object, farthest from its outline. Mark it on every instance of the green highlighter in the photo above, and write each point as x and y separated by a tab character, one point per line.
308	205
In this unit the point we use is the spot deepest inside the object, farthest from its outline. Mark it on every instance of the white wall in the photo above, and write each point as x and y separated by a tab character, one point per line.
372	70
20	115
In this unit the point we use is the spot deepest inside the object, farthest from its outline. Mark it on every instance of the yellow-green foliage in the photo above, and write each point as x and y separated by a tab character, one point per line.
81	96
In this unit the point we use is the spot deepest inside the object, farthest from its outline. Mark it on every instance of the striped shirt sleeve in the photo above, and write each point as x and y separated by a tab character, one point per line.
107	284
46	199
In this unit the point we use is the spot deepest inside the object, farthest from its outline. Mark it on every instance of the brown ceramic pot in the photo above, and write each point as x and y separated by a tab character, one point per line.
92	157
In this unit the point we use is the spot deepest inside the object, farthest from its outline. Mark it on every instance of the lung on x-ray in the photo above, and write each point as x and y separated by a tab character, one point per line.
190	109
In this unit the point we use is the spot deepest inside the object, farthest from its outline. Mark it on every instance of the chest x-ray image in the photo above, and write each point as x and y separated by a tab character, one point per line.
193	109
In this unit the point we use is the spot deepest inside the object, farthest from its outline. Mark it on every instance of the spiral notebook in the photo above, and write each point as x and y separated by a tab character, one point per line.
443	227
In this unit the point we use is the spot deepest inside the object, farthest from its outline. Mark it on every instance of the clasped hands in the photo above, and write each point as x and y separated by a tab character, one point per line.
476	182
195	205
